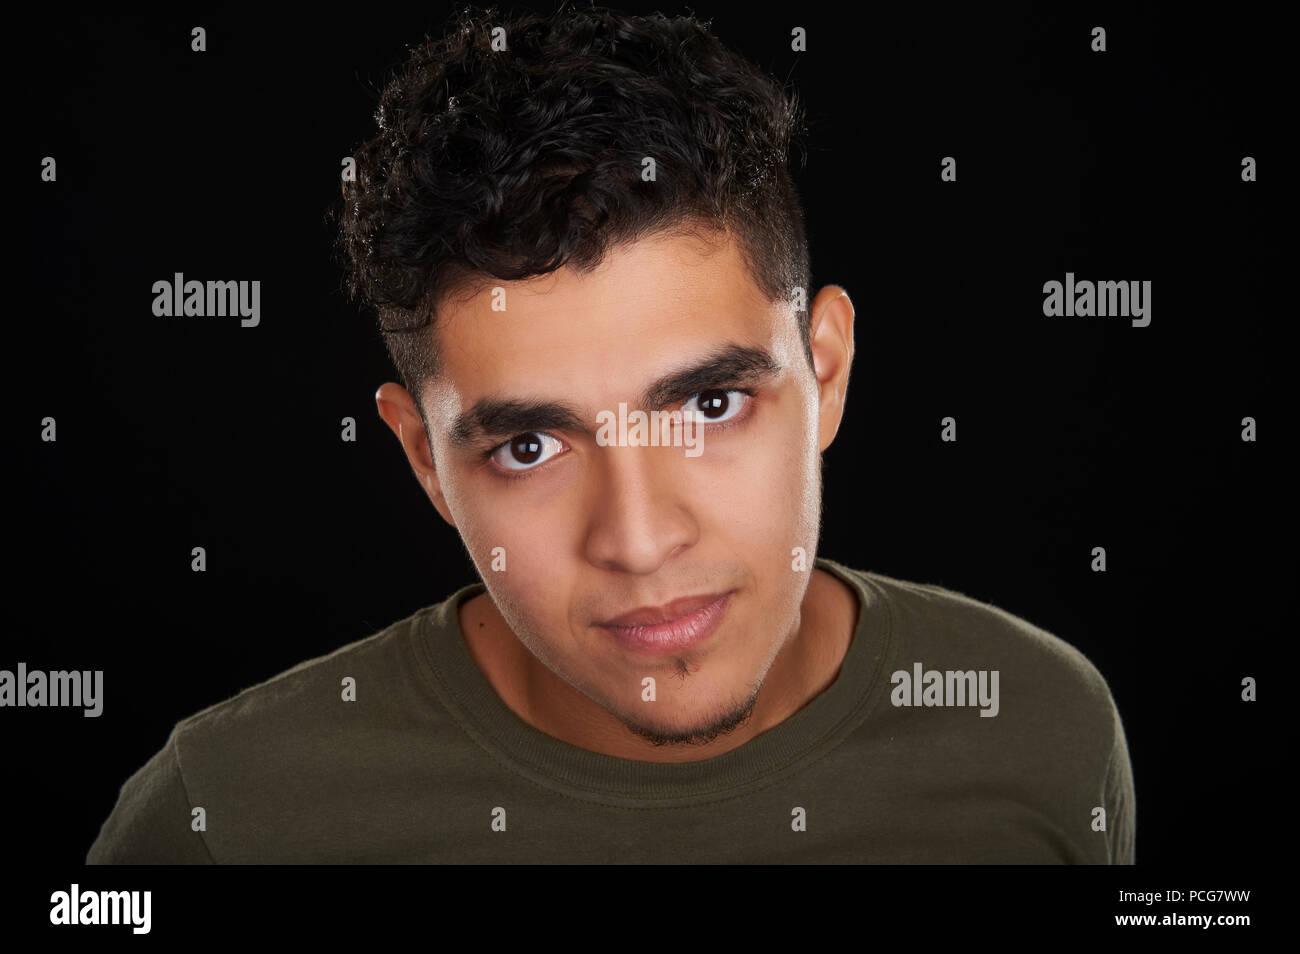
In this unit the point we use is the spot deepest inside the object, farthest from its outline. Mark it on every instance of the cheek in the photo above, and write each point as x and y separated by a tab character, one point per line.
757	486
522	547
497	520
515	540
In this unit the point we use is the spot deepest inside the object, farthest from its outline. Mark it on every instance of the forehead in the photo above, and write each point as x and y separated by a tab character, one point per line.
591	338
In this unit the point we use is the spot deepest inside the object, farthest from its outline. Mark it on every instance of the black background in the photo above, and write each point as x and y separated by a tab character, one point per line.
1072	433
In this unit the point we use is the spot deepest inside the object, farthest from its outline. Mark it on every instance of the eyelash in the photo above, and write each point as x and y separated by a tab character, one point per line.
521	474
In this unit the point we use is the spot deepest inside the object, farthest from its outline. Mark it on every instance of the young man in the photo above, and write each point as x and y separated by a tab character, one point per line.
588	257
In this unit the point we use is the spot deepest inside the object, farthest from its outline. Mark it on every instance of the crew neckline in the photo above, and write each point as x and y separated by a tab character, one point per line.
807	735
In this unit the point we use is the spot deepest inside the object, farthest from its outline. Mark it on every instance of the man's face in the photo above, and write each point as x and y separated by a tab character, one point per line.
569	532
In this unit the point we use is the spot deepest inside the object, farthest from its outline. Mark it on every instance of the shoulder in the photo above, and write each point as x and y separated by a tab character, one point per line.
1042	677
960	625
317	734
1054	736
322	681
152	821
245	760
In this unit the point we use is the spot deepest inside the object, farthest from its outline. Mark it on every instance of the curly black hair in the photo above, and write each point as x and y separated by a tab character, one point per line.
508	163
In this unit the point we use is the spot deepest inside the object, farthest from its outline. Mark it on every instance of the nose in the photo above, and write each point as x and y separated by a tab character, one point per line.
640	512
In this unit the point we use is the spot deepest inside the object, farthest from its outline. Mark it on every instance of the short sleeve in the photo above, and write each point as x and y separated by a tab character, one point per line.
150	824
1121	803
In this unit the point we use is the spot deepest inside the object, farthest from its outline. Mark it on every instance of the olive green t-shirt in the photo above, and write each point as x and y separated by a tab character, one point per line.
428	765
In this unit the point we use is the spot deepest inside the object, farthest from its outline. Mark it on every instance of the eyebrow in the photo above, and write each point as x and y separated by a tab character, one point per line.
493	417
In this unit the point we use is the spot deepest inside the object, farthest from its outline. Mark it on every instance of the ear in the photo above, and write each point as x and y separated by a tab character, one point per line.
397	408
831	339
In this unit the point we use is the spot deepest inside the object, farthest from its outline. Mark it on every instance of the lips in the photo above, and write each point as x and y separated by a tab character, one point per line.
671	628
652	615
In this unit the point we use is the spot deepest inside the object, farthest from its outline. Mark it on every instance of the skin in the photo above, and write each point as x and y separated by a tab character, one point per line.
592	531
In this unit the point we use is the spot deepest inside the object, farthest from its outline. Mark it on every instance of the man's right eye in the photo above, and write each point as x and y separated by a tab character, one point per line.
526	451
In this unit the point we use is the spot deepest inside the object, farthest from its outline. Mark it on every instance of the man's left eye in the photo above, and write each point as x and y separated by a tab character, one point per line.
716	405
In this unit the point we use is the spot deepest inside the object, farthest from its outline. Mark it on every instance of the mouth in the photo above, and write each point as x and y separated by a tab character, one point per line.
672	627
